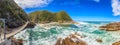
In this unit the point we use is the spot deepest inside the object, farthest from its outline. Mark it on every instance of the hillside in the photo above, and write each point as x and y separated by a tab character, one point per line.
46	17
13	14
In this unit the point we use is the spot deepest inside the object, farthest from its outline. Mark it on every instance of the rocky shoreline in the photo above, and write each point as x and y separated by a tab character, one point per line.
16	41
72	39
111	27
54	24
116	43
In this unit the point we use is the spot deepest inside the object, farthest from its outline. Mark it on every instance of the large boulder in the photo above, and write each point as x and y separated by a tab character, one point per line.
116	43
15	41
14	15
73	39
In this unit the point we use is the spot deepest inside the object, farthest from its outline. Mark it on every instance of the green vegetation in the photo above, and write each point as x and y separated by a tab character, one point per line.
46	17
63	17
13	14
1	24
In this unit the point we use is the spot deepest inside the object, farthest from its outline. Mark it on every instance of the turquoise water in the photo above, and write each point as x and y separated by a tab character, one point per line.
41	36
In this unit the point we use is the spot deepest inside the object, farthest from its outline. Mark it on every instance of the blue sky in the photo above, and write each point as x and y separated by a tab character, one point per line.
83	10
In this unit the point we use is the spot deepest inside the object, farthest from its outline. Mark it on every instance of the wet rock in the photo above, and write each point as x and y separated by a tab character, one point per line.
16	41
58	41
99	40
116	43
73	39
111	27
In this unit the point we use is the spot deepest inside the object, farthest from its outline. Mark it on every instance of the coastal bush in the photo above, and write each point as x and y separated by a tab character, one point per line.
46	16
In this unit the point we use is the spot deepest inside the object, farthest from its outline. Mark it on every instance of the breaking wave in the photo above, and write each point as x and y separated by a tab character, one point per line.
42	36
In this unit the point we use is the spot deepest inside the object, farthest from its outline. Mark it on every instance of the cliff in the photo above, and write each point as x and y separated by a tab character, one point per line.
14	15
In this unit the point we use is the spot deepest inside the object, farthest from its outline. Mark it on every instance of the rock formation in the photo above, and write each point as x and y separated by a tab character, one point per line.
73	39
111	27
16	41
116	43
99	40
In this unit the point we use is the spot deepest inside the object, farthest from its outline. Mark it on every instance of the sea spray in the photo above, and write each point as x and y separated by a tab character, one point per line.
42	36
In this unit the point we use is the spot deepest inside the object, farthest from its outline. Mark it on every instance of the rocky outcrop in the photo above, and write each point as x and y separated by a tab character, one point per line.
73	39
16	41
99	40
116	43
111	27
14	15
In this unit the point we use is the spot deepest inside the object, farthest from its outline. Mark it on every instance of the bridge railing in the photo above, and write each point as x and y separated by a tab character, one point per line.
2	29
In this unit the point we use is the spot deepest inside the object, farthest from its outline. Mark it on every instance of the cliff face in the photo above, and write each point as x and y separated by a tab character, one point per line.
13	14
46	17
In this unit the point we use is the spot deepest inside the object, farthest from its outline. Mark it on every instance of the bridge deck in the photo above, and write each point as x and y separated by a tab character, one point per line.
15	31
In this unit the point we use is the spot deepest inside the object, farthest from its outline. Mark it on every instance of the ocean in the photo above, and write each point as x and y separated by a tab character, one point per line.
41	36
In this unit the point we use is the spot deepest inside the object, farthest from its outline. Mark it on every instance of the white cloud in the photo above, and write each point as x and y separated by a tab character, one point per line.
116	7
32	3
96	0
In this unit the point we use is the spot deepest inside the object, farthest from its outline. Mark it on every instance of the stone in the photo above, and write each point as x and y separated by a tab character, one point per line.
71	40
116	43
99	40
111	27
16	41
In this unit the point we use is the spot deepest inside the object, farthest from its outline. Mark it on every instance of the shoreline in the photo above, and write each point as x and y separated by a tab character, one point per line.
50	25
54	24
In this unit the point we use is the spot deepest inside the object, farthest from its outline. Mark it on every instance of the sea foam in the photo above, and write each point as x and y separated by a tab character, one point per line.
42	36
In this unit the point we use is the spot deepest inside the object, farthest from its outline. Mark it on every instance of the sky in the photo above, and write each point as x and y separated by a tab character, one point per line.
82	10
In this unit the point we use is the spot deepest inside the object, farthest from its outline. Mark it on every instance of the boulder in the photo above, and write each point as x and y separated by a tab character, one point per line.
99	40
73	39
116	43
16	41
111	27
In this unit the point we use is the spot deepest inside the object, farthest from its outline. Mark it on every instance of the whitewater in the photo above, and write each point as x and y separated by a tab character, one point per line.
42	36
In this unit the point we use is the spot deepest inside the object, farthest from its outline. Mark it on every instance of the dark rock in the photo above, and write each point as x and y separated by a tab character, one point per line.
16	41
99	40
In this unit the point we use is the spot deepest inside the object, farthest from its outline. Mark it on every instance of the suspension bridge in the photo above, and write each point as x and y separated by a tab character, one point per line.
4	36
